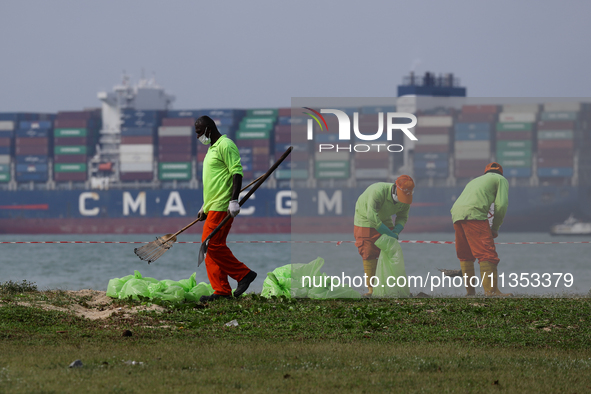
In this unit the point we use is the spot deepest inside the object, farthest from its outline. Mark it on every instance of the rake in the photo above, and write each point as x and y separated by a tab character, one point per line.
153	250
259	182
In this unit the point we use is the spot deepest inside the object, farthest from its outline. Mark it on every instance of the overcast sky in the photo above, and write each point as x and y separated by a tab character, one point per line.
56	55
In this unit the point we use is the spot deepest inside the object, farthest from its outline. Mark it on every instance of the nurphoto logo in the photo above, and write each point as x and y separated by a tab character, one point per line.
344	130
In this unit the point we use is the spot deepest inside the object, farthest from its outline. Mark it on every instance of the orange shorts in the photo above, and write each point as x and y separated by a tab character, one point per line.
365	239
474	241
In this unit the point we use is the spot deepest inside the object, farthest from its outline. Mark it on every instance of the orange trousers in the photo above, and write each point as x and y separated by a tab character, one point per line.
365	239
474	241
219	260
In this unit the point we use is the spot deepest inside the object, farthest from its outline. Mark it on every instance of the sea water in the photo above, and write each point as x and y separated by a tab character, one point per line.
81	266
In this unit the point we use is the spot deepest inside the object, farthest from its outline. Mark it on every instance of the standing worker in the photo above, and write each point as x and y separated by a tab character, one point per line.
373	217
474	235
222	180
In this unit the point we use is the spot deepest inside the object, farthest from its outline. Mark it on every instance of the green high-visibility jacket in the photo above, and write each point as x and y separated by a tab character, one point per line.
376	206
477	197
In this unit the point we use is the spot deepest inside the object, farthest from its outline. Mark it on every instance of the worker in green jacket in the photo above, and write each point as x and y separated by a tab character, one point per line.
373	218
474	235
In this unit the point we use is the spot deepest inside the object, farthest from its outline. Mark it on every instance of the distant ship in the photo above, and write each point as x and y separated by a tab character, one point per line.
134	165
571	226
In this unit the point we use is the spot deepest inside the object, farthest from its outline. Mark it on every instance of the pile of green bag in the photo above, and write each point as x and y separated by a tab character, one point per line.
287	281
135	285
390	265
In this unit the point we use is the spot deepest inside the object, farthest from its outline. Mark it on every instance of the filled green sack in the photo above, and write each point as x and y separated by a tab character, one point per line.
199	290
390	268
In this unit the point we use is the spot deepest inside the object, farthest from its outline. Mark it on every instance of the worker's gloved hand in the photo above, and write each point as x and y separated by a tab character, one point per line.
495	233
234	208
397	229
383	229
201	215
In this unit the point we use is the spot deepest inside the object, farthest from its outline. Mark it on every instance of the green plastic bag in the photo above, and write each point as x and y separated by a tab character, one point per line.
115	285
199	290
188	284
133	288
171	293
390	269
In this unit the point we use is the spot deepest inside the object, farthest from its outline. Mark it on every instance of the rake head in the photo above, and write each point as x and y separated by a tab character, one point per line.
153	250
202	253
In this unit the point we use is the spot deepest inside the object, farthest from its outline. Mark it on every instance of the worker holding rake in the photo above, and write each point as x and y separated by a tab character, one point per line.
222	180
373	218
474	235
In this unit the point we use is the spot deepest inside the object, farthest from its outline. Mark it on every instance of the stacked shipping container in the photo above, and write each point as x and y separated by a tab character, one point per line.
431	152
254	141
75	135
7	125
136	152
32	150
556	133
375	163
292	131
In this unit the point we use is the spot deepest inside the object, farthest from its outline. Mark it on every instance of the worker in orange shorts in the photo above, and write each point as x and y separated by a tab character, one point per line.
222	180
474	235
373	218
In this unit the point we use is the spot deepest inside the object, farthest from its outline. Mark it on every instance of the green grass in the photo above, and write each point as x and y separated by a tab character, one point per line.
431	345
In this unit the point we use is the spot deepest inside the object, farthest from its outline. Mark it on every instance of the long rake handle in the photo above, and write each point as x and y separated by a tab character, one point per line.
196	220
261	179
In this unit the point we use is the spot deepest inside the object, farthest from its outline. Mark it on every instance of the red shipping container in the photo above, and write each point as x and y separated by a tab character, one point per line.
383	154
431	148
70	158
136	176
176	140
480	109
32	150
35	141
556	125
514	135
476	118
66	141
175	157
70	176
137	139
555	161
174	149
431	130
371	164
70	123
252	143
175	122
556	144
5	141
551	153
261	150
294	155
261	166
283	138
284	112
74	115
284	128
201	156
470	166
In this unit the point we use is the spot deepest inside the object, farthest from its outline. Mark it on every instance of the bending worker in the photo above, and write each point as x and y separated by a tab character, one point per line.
222	180
474	235
373	217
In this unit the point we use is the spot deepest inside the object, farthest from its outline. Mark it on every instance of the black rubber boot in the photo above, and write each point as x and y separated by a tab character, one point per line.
213	297
244	283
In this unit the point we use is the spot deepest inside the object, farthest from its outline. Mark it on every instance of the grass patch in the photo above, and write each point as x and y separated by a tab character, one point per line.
532	345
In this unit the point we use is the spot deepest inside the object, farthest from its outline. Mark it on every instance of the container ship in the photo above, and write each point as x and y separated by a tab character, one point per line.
134	164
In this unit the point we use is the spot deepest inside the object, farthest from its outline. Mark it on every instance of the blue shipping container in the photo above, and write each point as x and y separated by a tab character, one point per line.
472	135
226	113
472	127
4	150
430	173
520	172
377	110
33	133
288	120
42	124
432	156
22	168
294	165
31	159
31	176
6	133
430	164
189	113
555	172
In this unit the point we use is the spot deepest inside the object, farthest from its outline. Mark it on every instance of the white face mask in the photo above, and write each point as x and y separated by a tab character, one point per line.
205	140
394	195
